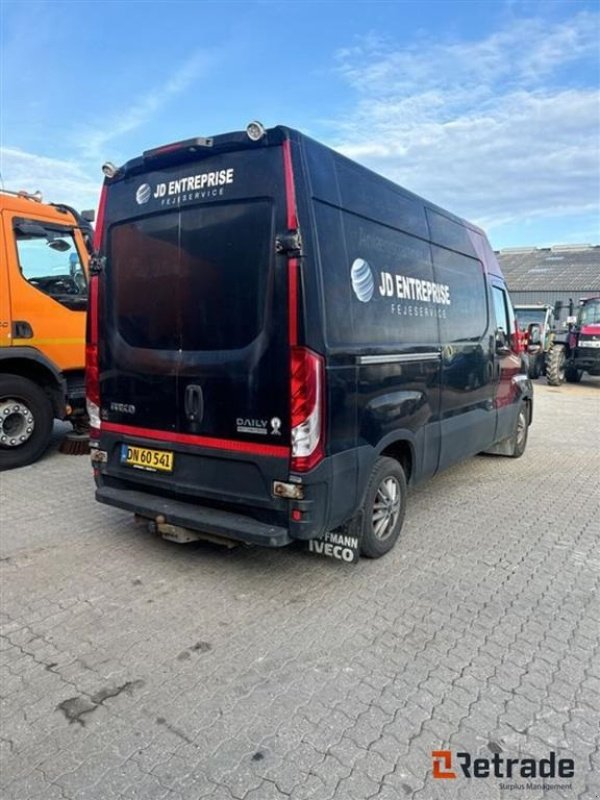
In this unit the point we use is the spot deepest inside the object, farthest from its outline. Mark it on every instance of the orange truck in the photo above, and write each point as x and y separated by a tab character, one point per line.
44	256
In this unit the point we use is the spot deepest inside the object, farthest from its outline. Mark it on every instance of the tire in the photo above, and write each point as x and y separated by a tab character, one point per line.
520	433
386	487
534	369
26	415
555	366
573	375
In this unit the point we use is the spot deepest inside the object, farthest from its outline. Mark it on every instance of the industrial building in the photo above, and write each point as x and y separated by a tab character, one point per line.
552	275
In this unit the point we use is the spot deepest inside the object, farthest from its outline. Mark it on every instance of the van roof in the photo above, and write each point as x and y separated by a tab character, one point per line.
192	149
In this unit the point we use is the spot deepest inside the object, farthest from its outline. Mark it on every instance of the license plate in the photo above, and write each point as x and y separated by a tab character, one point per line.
144	458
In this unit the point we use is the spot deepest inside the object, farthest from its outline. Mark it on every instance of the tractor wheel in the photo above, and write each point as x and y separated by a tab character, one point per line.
555	366
573	375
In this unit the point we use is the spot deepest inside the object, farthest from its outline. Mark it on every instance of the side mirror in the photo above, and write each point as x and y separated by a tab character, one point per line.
502	343
534	334
59	244
89	215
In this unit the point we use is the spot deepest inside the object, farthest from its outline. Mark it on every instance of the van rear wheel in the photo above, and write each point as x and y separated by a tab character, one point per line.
521	431
25	421
383	508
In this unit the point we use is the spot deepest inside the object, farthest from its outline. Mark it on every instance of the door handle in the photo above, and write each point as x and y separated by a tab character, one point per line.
194	404
22	329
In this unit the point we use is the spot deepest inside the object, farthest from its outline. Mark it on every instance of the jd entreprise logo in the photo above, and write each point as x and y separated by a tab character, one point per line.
499	767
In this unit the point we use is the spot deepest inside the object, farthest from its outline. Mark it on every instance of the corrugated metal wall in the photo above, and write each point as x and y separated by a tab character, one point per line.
549	298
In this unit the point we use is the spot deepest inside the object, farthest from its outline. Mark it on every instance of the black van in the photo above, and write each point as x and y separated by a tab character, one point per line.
280	340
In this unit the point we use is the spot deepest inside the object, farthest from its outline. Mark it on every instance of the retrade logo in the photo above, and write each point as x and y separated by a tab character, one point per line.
442	764
143	194
362	279
500	766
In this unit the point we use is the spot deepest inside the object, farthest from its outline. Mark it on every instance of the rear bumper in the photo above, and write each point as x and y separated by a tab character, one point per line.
231	494
227	524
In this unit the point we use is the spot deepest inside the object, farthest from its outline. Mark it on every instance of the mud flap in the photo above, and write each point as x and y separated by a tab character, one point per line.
343	544
503	448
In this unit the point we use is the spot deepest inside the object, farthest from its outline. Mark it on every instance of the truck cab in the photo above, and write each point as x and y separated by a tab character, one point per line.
43	303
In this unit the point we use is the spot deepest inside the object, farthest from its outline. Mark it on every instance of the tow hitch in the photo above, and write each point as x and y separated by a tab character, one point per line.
175	533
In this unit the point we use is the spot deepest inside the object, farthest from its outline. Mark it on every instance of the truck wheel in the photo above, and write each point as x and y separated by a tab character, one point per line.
383	509
573	375
555	366
521	431
25	421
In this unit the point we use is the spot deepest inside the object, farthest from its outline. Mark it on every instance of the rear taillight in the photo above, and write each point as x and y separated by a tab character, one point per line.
307	412
92	376
516	341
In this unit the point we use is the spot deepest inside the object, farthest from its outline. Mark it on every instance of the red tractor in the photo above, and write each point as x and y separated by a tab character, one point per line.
577	349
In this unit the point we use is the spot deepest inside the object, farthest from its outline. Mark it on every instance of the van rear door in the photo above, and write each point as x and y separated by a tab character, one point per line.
195	306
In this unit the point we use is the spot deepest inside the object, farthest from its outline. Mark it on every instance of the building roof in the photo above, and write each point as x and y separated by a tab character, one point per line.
559	268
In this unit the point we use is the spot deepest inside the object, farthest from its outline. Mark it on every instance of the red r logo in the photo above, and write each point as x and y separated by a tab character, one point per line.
442	764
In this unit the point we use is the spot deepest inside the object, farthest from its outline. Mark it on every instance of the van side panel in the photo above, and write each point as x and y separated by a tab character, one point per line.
384	351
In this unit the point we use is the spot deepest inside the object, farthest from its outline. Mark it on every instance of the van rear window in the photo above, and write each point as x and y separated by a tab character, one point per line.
194	278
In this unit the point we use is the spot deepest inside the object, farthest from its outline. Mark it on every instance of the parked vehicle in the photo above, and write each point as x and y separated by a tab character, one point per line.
576	349
542	316
280	341
43	304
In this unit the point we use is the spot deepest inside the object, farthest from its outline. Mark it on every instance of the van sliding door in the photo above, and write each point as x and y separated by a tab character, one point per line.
467	413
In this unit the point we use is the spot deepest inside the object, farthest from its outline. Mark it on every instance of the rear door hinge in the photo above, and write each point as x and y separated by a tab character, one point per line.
97	264
289	244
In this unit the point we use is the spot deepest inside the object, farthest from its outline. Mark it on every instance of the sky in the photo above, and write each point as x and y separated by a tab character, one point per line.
489	109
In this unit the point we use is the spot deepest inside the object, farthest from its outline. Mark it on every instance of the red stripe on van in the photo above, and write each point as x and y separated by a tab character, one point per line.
93	310
290	193
293	301
99	229
202	441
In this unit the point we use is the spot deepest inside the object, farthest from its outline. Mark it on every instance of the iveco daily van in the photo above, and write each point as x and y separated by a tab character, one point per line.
280	340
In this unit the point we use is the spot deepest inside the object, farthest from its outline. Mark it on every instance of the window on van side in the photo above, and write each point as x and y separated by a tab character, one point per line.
450	234
501	310
466	316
